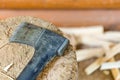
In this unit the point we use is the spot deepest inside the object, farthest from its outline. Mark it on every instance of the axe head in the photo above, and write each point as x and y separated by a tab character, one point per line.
32	35
47	44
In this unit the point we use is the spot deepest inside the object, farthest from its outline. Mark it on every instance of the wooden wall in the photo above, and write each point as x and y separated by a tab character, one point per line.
67	13
70	18
60	4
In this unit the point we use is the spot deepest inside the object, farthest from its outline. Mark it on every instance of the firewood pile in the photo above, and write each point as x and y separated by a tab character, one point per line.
104	45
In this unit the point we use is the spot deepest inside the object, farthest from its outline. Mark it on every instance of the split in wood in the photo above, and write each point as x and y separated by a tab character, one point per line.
5	76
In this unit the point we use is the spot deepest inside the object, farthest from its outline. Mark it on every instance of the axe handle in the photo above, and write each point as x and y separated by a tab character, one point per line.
27	74
35	66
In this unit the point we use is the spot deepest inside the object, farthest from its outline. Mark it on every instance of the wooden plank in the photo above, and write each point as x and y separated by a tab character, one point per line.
73	18
60	4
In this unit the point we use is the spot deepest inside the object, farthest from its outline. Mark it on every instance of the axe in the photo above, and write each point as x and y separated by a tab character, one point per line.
47	45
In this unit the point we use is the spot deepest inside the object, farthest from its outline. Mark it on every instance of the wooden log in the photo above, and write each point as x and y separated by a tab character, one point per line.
60	4
21	55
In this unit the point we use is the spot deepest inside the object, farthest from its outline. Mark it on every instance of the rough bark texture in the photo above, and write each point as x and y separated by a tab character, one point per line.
61	68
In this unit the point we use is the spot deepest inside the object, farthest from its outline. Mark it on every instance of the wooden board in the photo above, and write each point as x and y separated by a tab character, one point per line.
70	18
60	4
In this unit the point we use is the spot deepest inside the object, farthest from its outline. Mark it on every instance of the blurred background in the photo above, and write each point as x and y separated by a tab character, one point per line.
65	13
70	14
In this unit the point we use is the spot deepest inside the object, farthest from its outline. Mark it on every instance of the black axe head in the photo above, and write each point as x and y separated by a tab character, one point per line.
47	44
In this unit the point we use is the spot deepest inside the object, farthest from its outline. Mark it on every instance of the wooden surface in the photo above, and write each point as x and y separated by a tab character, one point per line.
60	4
70	18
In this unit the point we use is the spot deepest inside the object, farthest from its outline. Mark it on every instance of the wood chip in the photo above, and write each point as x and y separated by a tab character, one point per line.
113	36
8	67
114	51
94	66
84	54
113	33
84	31
91	41
110	65
110	51
115	72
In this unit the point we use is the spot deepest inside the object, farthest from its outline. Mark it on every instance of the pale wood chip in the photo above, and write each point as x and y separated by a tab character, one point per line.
84	54
8	67
113	36
110	65
84	30
97	63
110	53
115	72
91	41
107	38
113	51
113	33
94	66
